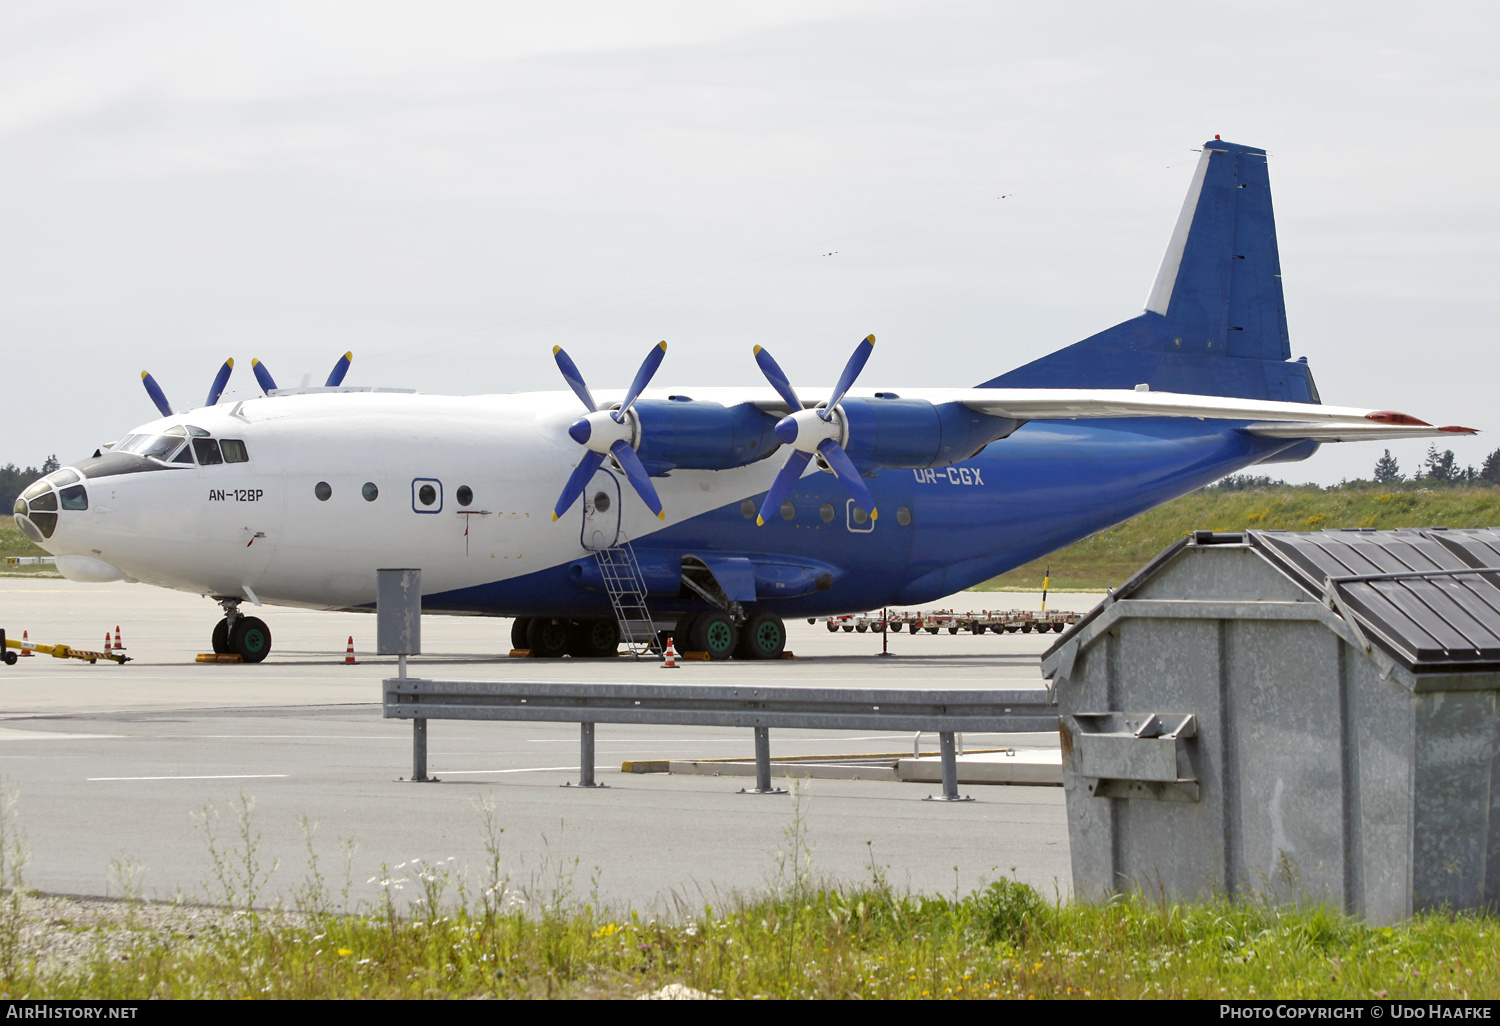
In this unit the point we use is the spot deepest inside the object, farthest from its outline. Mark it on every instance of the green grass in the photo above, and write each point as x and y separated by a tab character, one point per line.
14	543
1108	558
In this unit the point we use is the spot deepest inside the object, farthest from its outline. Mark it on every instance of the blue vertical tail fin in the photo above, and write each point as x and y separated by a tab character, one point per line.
1215	321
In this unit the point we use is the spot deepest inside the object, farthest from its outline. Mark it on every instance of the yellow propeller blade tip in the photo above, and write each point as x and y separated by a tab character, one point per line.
556	350
757	350
254	362
870	339
663	345
349	356
662	515
144	375
759	522
554	516
874	514
230	362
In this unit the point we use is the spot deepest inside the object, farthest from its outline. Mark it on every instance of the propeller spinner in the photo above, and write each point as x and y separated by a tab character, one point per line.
214	391
819	432
606	433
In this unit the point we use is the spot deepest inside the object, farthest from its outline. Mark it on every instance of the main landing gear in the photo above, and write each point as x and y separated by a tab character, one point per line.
761	636
245	636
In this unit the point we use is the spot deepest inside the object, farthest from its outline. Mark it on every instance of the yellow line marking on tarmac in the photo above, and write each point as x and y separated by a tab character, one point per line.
217	776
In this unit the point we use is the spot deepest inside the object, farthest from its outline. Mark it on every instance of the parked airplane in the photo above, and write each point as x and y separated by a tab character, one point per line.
743	506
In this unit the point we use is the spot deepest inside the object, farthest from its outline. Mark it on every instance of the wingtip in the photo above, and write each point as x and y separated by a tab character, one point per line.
1454	429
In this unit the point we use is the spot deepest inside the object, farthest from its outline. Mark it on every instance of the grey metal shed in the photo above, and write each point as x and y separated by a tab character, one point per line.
1292	715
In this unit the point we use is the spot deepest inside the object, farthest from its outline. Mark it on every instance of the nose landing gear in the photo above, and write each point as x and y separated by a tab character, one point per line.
245	636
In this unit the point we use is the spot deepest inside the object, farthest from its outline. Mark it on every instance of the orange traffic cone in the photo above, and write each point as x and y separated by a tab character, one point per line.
118	646
670	663
106	642
349	656
25	639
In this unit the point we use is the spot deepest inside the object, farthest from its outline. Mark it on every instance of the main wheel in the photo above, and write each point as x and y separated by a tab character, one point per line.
547	638
682	634
251	639
764	637
221	637
716	634
518	631
593	639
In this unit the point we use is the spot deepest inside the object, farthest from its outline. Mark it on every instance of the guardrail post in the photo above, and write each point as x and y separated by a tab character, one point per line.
586	757
949	752
763	765
419	749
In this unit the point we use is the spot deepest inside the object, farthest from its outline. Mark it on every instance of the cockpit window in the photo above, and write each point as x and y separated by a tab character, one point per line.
208	451
158	446
196	432
46	502
37	488
234	450
175	429
75	498
62	477
184	455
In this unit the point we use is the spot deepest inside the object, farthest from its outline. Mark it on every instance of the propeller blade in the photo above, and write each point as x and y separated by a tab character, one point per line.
157	395
267	383
778	380
856	364
847	474
577	482
636	471
642	379
336	376
785	481
573	378
220	381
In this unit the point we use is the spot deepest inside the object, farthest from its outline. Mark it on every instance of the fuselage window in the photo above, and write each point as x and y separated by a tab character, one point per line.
369	491
234	450
208	451
322	491
601	502
860	516
427	495
788	511
75	498
465	495
825	512
747	509
903	517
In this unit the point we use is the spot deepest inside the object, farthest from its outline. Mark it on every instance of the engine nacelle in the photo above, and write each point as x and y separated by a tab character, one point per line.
888	431
697	435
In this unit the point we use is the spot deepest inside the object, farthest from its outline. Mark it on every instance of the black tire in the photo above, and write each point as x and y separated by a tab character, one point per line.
952	630
682	634
832	627
1025	628
1057	628
10	658
862	628
930	630
848	628
518	631
716	634
763	637
220	640
593	639
976	628
546	637
251	639
896	627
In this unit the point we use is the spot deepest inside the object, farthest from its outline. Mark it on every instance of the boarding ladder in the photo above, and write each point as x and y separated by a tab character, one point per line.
627	594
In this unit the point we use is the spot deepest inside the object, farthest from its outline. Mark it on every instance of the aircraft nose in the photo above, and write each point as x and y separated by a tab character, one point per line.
37	508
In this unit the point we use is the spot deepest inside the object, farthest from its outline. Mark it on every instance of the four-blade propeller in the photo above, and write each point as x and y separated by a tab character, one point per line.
821	432
335	377
214	391
608	433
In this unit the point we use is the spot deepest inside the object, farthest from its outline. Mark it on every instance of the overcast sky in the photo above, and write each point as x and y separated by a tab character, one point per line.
450	189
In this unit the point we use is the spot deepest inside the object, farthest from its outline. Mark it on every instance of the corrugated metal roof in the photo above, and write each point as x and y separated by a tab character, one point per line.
1430	597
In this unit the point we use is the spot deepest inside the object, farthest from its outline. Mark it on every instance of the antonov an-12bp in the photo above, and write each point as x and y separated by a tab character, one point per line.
743	506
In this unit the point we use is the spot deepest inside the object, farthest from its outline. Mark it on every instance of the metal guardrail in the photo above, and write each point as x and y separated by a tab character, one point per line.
759	708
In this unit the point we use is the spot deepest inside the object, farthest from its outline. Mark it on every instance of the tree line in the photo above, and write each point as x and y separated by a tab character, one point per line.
14	479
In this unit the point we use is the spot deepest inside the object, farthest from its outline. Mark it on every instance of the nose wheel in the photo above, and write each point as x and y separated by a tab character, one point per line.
245	636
